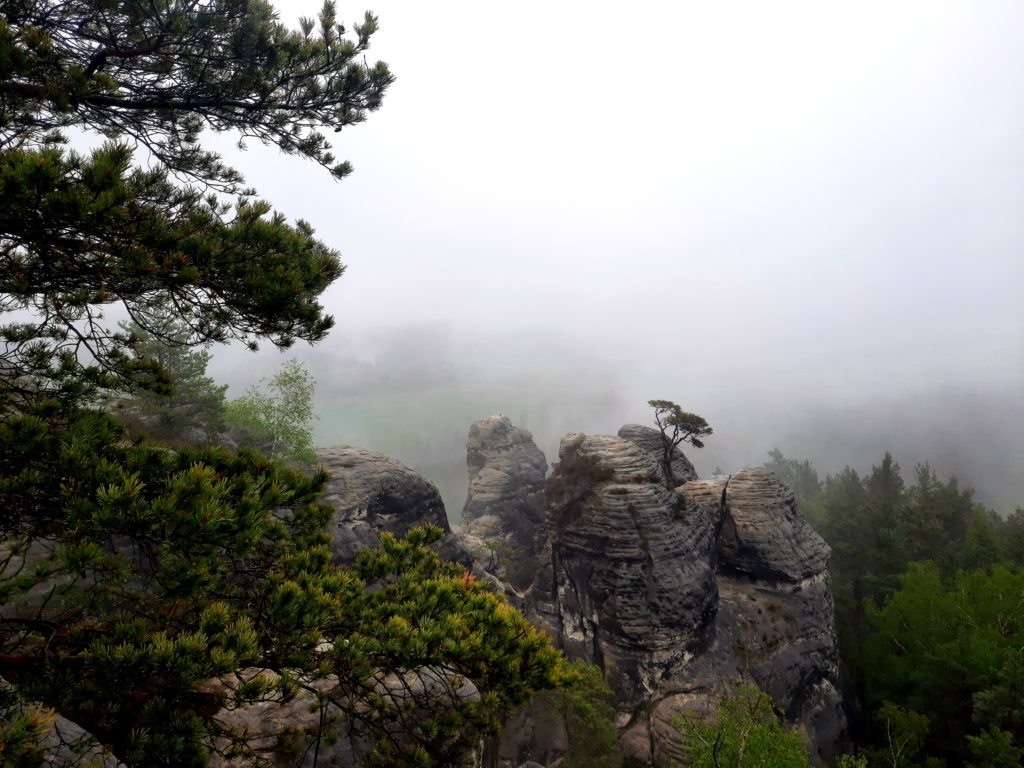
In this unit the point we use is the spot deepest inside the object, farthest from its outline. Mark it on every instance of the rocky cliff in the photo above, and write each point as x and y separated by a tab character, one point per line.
505	504
372	493
679	595
633	570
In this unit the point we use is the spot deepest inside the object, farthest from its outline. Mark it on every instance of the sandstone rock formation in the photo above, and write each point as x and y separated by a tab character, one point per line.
681	596
651	441
633	570
372	493
505	504
312	730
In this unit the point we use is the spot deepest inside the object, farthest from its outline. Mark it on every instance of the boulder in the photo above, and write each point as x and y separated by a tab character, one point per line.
372	493
764	535
311	730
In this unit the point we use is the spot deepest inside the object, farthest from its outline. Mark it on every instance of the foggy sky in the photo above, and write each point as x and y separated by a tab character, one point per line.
758	210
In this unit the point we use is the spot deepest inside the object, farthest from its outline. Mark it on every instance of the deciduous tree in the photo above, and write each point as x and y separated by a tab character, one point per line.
277	416
744	732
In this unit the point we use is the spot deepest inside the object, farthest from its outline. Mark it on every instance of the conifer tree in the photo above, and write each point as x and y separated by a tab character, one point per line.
193	409
132	575
81	232
677	426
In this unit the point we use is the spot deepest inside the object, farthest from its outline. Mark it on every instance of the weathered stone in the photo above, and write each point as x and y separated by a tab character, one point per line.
633	571
534	735
636	745
683	597
289	733
777	635
679	596
764	534
310	730
505	504
372	493
652	442
708	493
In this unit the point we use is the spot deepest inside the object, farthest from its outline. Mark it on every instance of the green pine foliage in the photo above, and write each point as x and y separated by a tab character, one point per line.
81	232
677	426
150	571
585	706
927	586
135	575
949	649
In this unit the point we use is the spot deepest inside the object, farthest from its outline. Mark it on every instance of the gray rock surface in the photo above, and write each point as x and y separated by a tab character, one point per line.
764	534
651	441
372	493
505	504
708	493
681	597
537	734
633	571
311	731
65	744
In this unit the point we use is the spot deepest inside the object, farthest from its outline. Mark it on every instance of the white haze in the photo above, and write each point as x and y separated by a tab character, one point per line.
801	220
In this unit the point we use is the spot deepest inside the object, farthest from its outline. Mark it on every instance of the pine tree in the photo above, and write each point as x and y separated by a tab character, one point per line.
82	232
677	426
133	574
193	409
148	572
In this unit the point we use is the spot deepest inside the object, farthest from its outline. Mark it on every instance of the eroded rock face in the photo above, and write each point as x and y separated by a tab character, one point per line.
505	504
633	570
650	440
311	730
679	595
765	535
372	493
535	735
683	596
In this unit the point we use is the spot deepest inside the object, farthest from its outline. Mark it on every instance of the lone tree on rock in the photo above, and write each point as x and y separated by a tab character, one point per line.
677	426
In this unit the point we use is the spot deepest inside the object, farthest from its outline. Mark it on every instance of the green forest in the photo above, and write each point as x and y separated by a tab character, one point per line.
929	595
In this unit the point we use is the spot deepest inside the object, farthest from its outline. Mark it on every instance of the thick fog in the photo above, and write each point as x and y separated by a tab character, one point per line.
802	221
